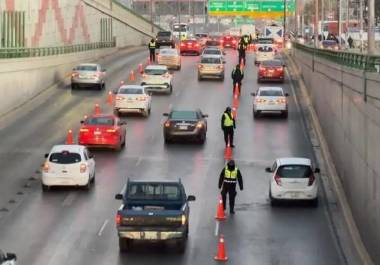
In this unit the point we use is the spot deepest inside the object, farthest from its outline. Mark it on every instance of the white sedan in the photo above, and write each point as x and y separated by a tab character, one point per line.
264	53
7	258
68	165
270	100
133	98
293	179
156	78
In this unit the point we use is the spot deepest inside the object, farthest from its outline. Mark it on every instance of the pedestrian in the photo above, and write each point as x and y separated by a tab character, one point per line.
237	76
228	126
350	42
227	183
152	50
241	49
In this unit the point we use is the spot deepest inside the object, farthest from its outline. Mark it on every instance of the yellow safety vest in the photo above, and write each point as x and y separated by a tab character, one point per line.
152	45
228	122
230	176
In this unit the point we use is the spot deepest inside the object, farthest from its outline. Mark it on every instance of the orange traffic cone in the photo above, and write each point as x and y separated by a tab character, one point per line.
69	137
132	76
234	112
220	211
236	90
235	102
97	109
221	254
141	70
122	83
110	98
228	151
242	64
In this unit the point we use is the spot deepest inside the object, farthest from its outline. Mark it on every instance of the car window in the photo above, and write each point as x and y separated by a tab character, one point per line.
265	49
183	115
164	34
99	121
211	60
271	93
168	52
156	71
153	191
212	52
65	157
87	68
132	91
274	63
294	171
212	43
265	41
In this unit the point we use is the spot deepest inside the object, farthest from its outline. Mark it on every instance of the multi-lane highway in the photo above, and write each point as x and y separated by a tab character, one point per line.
70	226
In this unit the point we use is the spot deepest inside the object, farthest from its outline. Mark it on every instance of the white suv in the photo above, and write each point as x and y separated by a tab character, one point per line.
292	179
7	258
156	78
133	98
68	165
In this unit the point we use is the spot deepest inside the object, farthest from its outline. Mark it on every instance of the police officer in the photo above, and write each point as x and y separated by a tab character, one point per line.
227	182
237	76
241	49
228	126
246	39
152	50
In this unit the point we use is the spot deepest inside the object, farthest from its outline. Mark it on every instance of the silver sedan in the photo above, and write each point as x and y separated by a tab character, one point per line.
88	75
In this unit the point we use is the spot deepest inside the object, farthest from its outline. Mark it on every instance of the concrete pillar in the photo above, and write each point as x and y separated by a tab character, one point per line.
371	26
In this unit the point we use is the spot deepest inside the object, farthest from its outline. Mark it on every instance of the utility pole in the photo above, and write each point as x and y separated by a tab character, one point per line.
371	26
316	20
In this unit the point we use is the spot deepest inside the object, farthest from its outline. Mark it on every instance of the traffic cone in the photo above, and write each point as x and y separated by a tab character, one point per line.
110	98
141	70
221	252
228	151
235	102
69	137
122	83
236	90
220	211
97	109
242	63
234	112
132	76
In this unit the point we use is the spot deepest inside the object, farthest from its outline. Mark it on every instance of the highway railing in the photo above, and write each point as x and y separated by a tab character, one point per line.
369	63
48	51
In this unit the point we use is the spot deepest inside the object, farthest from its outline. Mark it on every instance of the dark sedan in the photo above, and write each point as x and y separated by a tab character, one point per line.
185	124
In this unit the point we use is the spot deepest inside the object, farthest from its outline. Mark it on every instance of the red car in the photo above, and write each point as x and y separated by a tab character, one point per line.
230	42
190	46
271	70
102	130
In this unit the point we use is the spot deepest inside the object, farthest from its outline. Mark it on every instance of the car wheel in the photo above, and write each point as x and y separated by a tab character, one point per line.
170	89
222	78
181	245
273	201
256	114
104	86
93	179
179	67
73	86
202	138
125	244
45	187
284	114
145	113
167	140
88	185
199	78
314	203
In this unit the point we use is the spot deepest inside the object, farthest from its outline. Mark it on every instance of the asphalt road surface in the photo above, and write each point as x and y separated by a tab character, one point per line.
76	227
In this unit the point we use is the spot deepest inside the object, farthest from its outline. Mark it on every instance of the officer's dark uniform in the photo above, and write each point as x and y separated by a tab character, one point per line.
228	126
241	49
227	182
237	76
152	50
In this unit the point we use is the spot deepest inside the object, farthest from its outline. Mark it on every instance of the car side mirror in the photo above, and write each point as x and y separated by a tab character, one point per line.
286	94
317	170
11	256
268	169
191	198
91	156
165	114
115	91
253	94
283	65
46	155
119	196
224	62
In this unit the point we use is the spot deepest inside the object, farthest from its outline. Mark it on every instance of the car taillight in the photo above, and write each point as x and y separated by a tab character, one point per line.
46	167
200	66
83	130
280	69
111	130
183	219
119	98
167	124
83	168
142	98
311	180
281	101
262	68
144	76
98	74
199	125
234	41
118	219
220	66
75	74
277	178
182	44
260	100
221	41
197	45
167	75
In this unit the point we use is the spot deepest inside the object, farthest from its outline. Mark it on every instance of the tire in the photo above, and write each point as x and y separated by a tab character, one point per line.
314	203
256	114
273	201
179	67
93	179
167	140
74	86
104	86
88	185
145	113
202	138
170	89
222	78
284	114
199	77
124	244
45	187
181	245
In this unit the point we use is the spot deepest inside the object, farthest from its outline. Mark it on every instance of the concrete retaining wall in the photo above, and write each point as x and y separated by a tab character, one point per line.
347	102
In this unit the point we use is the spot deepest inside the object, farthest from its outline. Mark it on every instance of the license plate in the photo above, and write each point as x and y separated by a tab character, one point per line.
150	235
271	102
183	127
294	194
82	76
270	74
97	133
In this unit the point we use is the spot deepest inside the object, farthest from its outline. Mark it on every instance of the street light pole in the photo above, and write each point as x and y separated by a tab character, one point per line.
371	26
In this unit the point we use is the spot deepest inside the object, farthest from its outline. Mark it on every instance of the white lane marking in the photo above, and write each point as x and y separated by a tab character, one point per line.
138	161
217	228
103	227
70	198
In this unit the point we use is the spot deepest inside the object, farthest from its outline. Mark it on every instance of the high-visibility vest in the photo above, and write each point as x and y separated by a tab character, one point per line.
228	122
246	39
152	45
230	176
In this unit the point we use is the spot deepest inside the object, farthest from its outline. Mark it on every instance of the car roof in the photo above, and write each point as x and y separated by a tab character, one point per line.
293	161
266	88
185	110
88	64
67	147
177	182
131	86
211	56
101	116
156	67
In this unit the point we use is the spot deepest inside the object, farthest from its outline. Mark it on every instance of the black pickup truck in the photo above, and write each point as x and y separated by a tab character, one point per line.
153	211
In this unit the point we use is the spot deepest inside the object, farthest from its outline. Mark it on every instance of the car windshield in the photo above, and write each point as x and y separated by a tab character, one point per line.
154	191
65	157
294	171
201	35
212	51
212	43
99	121
265	49
179	28
271	93
130	90
269	63
164	34
155	71
86	68
265	41
211	60
168	52
183	115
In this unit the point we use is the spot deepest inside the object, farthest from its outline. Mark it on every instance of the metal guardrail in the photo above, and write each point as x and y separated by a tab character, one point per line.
48	51
369	63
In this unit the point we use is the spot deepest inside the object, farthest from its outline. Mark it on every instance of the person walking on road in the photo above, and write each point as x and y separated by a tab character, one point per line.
228	126
241	49
228	178
152	50
350	42
237	76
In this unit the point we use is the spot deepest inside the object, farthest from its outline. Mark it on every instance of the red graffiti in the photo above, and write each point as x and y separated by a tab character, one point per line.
10	5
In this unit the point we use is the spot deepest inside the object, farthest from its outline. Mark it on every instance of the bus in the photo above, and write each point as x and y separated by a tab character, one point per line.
181	31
